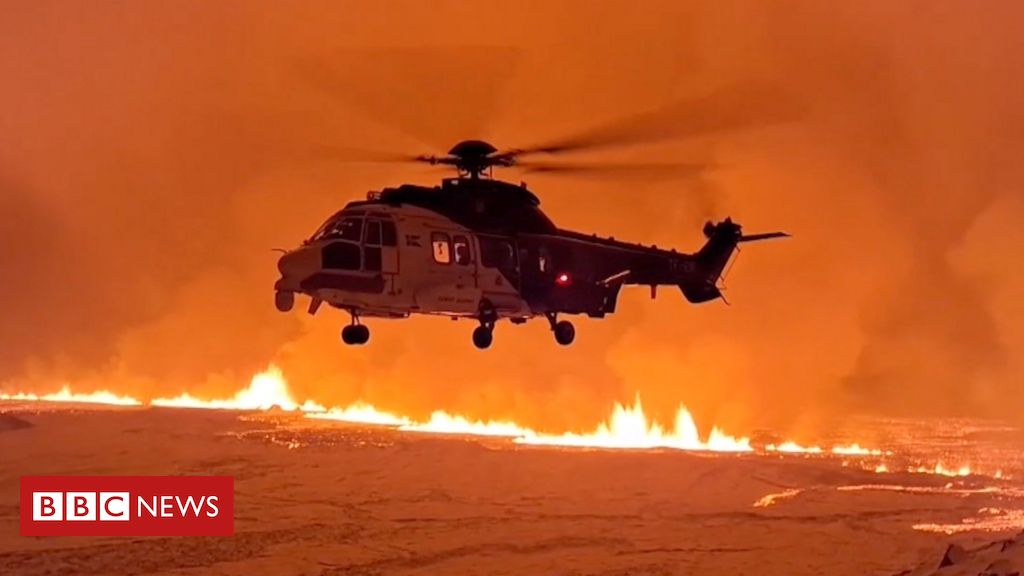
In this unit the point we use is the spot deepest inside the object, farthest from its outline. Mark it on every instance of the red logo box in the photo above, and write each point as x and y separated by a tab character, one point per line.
127	505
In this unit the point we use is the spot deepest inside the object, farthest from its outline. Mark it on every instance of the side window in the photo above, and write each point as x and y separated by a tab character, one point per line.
388	235
496	253
442	248
463	255
372	233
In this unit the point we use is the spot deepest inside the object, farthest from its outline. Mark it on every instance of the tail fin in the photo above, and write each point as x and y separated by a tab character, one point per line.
711	259
714	255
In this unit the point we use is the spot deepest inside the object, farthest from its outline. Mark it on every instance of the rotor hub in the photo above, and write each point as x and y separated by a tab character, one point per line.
472	148
473	157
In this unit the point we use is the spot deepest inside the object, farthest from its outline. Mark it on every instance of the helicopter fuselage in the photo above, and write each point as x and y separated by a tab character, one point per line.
488	255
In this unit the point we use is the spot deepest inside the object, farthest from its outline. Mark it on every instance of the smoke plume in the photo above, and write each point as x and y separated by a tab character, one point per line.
152	156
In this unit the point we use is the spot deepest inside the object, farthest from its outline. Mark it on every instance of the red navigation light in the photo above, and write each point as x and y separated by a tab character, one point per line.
563	279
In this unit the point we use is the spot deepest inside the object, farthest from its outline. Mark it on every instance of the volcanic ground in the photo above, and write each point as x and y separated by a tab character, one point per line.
330	498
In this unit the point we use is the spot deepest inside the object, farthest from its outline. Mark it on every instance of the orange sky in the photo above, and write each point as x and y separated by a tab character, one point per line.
150	157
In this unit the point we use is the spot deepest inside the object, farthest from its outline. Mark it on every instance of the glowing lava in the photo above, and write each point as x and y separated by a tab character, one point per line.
627	426
442	422
839	450
793	448
856	450
361	413
987	520
66	395
942	470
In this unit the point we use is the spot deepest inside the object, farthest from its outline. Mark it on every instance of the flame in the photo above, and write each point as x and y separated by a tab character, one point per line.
938	469
266	390
361	413
442	422
941	470
793	448
626	427
856	450
66	395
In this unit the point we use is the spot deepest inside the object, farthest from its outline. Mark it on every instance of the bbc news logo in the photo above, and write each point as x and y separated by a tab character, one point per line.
127	505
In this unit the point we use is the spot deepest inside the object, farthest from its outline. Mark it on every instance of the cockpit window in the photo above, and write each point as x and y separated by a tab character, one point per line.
321	231
349	228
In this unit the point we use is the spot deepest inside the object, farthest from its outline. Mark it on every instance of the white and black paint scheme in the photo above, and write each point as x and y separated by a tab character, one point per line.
480	248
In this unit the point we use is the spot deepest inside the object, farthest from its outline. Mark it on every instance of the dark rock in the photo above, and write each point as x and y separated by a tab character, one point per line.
954	555
12	422
1001	567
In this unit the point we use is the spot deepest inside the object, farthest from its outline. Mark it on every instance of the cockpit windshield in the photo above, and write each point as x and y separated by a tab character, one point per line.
338	226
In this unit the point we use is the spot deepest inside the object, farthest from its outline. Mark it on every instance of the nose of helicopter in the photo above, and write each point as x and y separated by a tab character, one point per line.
298	263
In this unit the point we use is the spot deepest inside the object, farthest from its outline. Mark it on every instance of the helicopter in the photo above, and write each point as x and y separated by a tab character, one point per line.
480	248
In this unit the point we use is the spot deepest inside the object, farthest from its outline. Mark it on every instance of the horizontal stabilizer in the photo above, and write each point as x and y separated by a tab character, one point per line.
765	236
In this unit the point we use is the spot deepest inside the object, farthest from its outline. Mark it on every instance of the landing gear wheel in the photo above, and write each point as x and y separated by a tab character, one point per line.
284	301
355	334
565	332
482	337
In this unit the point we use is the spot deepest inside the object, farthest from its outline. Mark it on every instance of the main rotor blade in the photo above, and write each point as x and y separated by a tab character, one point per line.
630	171
733	108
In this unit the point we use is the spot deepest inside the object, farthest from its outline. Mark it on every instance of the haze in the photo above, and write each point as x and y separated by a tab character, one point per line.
152	155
